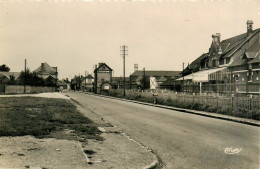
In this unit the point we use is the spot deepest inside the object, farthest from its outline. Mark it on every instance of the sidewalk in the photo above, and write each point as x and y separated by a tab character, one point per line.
201	113
117	150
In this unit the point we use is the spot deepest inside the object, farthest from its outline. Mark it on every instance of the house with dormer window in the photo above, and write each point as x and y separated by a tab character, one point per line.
231	61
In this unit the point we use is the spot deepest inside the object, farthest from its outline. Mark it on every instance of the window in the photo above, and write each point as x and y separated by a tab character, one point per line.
221	61
250	75
227	60
214	63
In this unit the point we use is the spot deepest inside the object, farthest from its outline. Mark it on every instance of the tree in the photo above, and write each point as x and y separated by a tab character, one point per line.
31	78
4	68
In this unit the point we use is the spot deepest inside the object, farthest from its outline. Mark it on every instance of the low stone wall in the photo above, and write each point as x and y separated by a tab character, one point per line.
18	89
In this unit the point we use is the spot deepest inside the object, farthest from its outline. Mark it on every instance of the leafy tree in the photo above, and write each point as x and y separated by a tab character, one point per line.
4	68
31	78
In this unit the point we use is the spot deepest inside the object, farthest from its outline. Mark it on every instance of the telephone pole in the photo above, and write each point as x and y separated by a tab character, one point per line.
24	89
183	76
85	80
144	79
124	53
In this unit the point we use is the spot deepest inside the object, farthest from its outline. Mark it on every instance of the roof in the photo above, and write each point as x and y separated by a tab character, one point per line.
238	62
201	76
256	59
89	76
45	67
170	82
251	55
120	78
197	61
61	83
232	47
101	65
237	42
8	74
157	73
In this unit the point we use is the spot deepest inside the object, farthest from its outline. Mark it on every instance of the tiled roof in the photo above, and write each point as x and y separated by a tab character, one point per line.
89	76
8	74
101	65
156	73
251	55
256	59
45	68
237	42
238	62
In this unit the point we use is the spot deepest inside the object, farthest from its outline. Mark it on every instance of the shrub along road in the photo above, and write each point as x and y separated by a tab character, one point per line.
181	140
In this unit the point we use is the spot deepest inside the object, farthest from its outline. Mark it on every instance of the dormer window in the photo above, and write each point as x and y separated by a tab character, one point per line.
227	60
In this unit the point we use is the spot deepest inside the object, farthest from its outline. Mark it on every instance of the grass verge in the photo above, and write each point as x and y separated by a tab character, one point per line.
168	101
40	117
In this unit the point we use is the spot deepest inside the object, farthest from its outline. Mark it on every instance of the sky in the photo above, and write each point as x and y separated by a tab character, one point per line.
75	35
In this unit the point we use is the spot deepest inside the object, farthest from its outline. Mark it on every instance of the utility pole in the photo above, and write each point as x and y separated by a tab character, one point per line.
124	53
183	76
85	79
56	86
144	79
24	89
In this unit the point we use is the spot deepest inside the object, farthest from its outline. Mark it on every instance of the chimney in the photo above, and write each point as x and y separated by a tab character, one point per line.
216	40
135	67
249	24
99	64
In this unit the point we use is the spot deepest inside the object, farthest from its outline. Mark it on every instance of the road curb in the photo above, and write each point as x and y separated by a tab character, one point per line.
103	130
196	112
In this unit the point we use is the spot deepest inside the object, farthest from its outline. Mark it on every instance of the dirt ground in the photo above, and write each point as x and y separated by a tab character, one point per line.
29	152
115	151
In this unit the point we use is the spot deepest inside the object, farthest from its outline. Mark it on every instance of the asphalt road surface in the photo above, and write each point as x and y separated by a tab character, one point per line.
181	140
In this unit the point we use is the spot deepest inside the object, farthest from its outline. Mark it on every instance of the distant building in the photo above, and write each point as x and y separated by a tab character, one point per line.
103	78
46	71
118	82
234	61
6	76
156	78
87	83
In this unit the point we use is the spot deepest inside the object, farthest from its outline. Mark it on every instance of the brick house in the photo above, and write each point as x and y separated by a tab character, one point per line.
233	61
103	78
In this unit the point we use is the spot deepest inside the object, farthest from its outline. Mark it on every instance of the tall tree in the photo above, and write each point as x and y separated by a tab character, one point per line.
4	68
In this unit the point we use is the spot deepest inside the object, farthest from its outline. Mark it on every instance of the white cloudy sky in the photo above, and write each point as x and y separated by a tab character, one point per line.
76	35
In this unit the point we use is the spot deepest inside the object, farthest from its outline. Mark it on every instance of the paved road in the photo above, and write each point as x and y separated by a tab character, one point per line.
181	140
